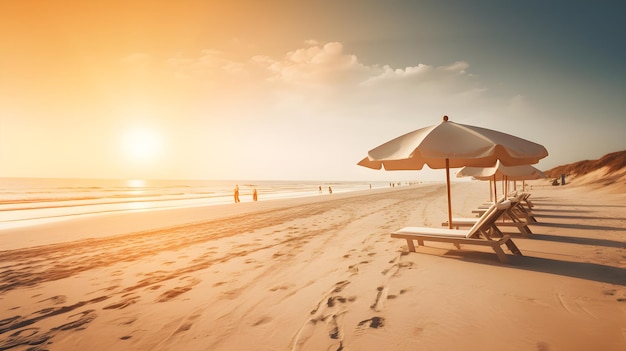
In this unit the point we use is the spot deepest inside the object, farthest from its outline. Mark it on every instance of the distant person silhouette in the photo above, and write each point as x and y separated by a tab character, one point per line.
255	196
330	190
237	194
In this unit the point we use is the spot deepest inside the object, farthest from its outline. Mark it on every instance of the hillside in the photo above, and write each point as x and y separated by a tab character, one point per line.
614	162
609	170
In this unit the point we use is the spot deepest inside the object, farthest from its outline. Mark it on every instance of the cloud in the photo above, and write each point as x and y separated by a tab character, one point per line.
317	65
320	66
322	80
452	78
314	65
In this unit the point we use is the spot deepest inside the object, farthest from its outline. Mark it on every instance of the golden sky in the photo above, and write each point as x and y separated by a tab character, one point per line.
286	90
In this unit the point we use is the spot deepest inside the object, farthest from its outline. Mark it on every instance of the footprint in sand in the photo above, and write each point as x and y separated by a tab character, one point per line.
187	324
172	293
374	322
56	300
381	296
329	310
281	287
396	266
263	320
27	336
122	304
126	321
84	318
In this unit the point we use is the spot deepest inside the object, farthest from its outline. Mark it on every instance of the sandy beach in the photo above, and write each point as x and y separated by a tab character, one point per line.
319	273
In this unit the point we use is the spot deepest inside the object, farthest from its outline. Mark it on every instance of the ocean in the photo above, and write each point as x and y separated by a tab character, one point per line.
30	201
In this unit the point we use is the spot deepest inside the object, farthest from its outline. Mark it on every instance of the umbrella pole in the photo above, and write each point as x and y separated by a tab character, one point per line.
448	187
506	185
495	189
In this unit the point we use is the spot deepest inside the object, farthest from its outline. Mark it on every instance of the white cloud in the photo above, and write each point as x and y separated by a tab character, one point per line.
317	65
389	74
324	68
424	78
458	67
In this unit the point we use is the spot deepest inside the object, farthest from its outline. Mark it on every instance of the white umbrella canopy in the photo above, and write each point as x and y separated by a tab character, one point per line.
500	172
452	145
463	145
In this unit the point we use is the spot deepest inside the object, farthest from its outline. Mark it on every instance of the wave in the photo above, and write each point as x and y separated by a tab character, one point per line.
29	201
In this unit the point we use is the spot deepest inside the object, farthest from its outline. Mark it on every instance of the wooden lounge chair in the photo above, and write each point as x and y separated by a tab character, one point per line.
526	200
479	234
517	210
520	211
509	218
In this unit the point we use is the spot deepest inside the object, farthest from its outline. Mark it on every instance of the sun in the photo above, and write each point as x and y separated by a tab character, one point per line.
142	144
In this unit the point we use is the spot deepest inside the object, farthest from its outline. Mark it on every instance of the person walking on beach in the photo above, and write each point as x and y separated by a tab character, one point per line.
236	193
320	189
330	190
254	195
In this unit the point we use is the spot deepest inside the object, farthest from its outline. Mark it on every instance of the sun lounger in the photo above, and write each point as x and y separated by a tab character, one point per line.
518	210
525	199
479	234
507	219
512	217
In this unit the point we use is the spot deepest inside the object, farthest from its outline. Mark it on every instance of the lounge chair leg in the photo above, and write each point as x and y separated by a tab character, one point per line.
409	243
500	253
511	245
496	232
523	230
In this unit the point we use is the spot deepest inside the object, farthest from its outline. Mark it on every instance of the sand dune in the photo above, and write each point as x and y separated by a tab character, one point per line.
607	174
319	274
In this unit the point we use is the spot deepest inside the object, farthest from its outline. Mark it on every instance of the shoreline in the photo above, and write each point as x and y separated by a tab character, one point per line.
99	225
54	200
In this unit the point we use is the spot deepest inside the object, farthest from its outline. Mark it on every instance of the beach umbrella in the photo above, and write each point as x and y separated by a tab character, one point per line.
452	145
501	172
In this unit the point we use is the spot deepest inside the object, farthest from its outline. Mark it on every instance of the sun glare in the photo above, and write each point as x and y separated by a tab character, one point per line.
142	144
136	183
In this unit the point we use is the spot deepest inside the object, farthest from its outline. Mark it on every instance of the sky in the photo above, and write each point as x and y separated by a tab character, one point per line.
295	90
